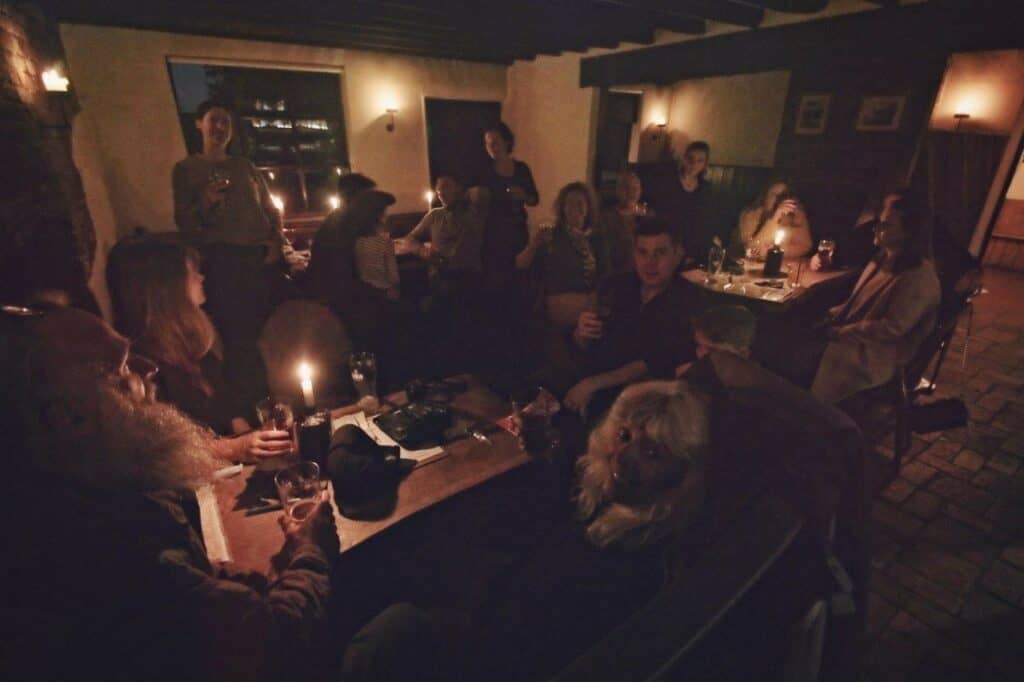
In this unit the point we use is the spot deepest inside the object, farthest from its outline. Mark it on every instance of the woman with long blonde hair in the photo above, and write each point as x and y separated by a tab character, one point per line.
157	292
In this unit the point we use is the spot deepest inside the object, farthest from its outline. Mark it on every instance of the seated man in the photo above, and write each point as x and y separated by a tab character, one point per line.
726	328
449	237
890	312
641	327
640	485
104	554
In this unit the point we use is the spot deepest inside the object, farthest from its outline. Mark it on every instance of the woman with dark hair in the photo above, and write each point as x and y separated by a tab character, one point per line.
157	290
776	208
890	312
686	202
571	257
511	188
223	207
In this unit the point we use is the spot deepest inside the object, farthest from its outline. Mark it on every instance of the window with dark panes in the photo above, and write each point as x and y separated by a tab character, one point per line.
289	123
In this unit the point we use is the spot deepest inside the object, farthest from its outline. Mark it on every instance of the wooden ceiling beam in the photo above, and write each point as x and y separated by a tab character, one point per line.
725	11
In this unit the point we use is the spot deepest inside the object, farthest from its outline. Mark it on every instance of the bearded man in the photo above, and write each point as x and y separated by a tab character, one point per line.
106	574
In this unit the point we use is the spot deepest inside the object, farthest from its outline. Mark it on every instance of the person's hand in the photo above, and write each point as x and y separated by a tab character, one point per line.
683	369
213	193
541	237
318	529
393	293
404	247
786	208
579	396
256	445
589	326
817	263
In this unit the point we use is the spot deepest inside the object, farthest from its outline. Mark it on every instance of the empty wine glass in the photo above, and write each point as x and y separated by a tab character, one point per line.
716	257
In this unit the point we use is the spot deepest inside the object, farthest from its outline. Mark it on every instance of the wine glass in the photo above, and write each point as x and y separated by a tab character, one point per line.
716	257
826	250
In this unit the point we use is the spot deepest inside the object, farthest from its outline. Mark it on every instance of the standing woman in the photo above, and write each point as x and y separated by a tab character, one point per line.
157	291
512	189
685	204
223	207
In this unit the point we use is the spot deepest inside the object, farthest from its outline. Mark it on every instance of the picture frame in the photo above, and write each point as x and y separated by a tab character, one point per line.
812	114
881	113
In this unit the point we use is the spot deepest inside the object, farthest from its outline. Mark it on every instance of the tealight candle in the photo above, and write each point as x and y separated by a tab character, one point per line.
773	259
429	196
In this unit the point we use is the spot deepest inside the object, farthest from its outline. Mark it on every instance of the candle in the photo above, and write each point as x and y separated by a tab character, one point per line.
306	380
334	201
278	203
773	259
429	196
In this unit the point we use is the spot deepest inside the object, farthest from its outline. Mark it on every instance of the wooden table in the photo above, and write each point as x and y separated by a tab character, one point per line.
744	287
251	541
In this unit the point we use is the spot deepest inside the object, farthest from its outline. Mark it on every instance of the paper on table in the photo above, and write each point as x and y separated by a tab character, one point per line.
366	424
213	527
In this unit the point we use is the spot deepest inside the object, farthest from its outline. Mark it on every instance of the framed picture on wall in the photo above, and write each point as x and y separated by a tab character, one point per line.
812	114
881	113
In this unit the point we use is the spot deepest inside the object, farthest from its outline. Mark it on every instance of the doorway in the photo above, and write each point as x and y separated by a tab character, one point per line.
614	133
455	136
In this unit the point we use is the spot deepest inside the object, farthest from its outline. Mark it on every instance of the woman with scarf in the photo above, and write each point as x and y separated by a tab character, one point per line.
571	258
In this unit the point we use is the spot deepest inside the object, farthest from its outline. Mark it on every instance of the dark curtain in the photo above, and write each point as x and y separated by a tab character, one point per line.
957	169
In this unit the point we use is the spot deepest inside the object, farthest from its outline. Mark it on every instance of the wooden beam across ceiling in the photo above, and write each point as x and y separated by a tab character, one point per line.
725	11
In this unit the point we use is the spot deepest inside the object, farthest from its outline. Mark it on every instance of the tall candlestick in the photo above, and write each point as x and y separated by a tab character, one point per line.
306	380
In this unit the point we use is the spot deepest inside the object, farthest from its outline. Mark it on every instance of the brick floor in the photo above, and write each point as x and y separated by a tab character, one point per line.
947	590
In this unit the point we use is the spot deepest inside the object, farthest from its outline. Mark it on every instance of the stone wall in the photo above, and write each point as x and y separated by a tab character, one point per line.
45	227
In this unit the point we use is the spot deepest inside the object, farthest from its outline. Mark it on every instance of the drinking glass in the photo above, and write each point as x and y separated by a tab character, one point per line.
275	415
716	256
826	249
364	376
641	208
299	488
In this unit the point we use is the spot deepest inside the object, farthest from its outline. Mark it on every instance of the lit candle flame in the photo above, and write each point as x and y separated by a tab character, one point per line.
54	81
270	174
277	201
305	371
337	170
306	381
779	236
334	201
429	196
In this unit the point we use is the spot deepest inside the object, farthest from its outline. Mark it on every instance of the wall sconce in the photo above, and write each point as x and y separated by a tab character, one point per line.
390	111
960	118
54	80
660	125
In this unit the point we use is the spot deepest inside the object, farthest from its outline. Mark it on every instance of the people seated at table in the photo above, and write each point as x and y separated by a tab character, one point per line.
639	328
855	246
620	220
890	312
775	209
113	563
157	292
686	202
599	559
569	258
223	207
511	187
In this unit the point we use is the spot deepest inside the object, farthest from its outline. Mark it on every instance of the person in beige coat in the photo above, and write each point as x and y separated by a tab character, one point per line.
890	312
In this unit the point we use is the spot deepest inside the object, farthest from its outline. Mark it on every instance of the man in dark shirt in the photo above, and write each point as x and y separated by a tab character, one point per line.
641	325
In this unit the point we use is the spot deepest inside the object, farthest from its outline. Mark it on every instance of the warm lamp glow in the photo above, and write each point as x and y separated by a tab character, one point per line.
54	80
429	196
270	174
305	371
277	201
334	201
391	111
779	236
660	121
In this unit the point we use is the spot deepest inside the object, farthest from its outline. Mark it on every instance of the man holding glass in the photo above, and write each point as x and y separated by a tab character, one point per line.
644	329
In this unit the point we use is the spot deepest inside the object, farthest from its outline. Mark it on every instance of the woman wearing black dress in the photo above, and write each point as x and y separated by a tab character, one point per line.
512	189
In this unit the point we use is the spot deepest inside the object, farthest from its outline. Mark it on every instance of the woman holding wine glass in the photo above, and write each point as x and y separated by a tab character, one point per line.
157	290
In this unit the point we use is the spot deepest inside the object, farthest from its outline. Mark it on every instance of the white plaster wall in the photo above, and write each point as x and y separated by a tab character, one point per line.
553	119
121	79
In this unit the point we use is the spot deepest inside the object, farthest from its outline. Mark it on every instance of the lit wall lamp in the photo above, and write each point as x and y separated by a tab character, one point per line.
390	111
960	118
660	125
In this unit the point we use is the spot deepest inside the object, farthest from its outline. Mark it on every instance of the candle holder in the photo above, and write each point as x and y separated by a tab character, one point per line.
315	437
773	262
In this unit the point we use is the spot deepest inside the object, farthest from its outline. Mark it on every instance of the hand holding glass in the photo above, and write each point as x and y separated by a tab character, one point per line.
299	488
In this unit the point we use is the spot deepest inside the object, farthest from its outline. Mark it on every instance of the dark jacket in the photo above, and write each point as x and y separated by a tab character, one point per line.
117	586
